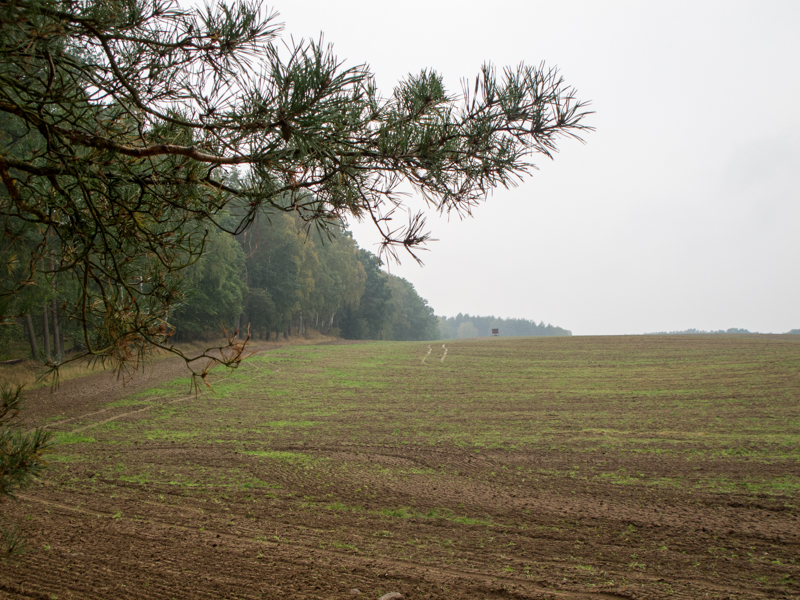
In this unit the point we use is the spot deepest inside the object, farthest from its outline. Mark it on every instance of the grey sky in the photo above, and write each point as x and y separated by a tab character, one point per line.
683	208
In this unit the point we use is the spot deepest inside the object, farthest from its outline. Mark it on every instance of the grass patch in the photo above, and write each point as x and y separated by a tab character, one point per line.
289	457
289	424
169	435
64	438
255	483
142	478
66	458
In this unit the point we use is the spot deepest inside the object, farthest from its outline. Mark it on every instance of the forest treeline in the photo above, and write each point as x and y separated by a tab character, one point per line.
273	278
466	326
702	332
279	281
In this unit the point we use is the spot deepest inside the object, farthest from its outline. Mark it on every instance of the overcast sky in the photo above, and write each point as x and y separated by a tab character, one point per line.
683	208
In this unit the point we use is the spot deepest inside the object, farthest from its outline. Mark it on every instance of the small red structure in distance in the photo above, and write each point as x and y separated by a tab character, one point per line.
495	332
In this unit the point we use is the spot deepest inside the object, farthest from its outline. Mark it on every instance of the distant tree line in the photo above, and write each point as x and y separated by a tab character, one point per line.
693	331
700	331
466	326
275	279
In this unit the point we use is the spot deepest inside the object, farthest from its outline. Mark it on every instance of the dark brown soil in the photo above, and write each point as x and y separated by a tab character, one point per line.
320	530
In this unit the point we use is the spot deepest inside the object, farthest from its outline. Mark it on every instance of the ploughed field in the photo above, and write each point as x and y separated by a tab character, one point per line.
585	467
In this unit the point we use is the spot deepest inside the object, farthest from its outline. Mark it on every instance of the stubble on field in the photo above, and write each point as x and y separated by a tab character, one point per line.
618	467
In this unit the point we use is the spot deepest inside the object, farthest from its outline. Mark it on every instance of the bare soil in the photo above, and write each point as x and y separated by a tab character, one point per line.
356	504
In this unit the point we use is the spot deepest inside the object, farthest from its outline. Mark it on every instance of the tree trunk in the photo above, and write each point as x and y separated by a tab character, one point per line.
45	319
58	347
31	336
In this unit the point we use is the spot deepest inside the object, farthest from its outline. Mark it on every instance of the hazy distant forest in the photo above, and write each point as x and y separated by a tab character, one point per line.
717	331
466	326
